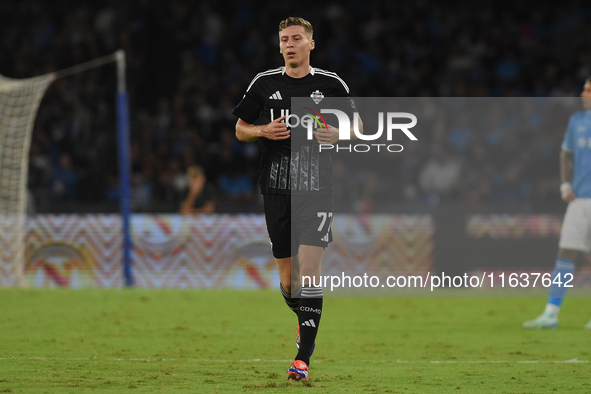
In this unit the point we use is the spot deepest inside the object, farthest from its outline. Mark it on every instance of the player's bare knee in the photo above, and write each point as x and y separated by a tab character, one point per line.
284	271
285	281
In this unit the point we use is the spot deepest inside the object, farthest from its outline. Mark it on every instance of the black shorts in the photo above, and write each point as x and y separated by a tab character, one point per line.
297	220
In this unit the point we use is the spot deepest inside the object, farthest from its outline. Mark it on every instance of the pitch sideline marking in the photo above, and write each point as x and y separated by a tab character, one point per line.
204	360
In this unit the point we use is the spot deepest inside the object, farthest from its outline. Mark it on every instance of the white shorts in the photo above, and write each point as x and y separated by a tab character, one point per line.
576	227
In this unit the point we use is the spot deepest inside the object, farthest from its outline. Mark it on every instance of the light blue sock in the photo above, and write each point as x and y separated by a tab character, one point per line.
557	292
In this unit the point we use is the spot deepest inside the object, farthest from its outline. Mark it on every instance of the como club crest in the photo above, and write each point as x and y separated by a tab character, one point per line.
317	96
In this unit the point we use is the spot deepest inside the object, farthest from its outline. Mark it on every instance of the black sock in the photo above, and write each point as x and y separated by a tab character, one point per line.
292	303
309	313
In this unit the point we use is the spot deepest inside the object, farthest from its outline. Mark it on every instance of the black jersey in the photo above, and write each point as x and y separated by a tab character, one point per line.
294	165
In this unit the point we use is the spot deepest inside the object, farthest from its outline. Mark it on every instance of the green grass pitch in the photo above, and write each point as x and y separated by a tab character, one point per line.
221	341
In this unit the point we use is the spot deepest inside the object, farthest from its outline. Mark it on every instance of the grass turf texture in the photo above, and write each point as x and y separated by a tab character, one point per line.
131	340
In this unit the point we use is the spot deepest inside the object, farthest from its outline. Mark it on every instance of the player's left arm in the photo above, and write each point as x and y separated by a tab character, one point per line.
567	161
331	135
566	175
360	128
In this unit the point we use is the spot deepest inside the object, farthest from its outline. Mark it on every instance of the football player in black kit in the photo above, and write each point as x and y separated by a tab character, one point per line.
295	176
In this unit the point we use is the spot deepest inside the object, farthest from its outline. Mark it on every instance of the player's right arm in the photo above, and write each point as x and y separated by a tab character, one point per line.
275	130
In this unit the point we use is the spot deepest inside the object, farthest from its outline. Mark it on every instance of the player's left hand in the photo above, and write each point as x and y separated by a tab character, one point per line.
566	192
330	136
568	196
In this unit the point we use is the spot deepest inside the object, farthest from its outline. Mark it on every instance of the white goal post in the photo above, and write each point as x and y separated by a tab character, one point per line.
19	102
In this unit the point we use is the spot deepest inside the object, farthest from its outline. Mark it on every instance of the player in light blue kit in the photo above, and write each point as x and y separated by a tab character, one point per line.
575	236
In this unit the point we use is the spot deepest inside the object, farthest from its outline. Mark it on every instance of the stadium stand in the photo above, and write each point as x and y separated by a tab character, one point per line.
189	63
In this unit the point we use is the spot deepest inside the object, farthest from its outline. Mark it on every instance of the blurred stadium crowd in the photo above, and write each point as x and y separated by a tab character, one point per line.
189	63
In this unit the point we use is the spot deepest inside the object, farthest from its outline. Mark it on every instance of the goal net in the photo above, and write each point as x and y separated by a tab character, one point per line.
19	101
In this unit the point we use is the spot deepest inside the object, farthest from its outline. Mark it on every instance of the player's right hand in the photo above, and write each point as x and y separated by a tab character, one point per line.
276	130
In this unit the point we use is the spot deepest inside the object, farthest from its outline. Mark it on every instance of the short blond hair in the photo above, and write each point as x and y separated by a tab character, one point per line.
297	21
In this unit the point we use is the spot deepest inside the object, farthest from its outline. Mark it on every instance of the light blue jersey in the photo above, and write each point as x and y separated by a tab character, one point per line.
577	140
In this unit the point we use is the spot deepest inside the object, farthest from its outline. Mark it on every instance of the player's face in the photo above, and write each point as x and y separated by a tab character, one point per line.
586	95
294	45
